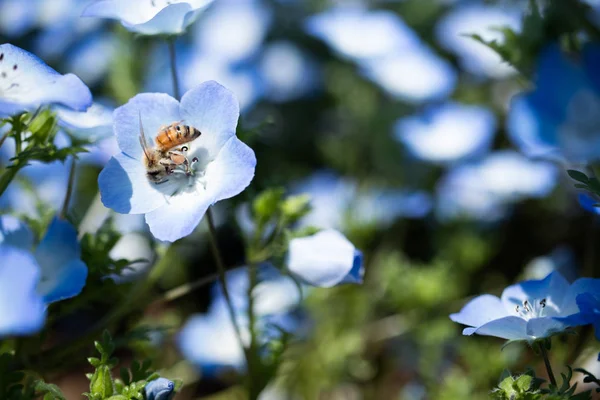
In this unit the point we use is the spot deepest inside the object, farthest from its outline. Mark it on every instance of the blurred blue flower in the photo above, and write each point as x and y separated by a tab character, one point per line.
232	30
361	34
448	132
16	17
91	58
560	117
222	165
58	256
325	259
561	259
588	203
22	310
159	389
528	310
152	17
484	189
27	83
287	72
333	197
589	312
414	75
210	342
482	20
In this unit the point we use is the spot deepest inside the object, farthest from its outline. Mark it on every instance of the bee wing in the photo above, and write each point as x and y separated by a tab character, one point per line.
142	137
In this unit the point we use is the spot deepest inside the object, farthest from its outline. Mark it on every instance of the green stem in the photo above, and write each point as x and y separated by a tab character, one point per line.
544	353
70	186
173	58
212	236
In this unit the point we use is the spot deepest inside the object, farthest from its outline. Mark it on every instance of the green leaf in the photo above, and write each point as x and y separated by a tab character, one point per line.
265	205
295	207
49	390
578	176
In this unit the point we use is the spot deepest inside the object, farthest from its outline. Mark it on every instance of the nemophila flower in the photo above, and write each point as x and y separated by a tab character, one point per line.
22	310
150	17
484	190
588	203
589	312
209	340
91	58
453	30
217	164
27	83
325	259
528	310
58	255
559	118
159	389
447	133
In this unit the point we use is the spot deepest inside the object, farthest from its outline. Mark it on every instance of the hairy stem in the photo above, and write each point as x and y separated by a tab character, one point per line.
70	185
544	353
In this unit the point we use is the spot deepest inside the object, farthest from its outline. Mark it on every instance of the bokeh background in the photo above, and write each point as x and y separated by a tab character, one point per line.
394	122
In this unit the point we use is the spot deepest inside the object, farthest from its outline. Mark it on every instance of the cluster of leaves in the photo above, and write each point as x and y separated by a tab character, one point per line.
529	387
590	184
132	381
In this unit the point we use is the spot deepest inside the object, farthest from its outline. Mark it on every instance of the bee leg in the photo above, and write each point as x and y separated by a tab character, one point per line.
163	181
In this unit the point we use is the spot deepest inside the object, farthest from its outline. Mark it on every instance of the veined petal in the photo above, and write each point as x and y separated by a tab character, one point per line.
228	175
480	310
324	259
14	232
27	83
22	310
125	188
214	111
510	328
544	327
580	286
552	288
156	110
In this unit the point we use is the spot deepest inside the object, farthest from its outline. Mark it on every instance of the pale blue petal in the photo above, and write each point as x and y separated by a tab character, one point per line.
589	311
414	75
22	310
93	124
544	327
214	111
210	343
159	389
171	20
480	310
156	110
552	288
125	188
323	259
14	232
580	286
510	328
26	83
361	34
448	132
63	274
228	175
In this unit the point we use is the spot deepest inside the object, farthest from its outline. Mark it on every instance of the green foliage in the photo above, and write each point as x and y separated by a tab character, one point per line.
591	184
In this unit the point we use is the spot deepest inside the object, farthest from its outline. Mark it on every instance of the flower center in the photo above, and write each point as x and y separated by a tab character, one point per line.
531	309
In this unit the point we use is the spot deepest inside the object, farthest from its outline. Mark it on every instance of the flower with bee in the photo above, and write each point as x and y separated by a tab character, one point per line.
177	158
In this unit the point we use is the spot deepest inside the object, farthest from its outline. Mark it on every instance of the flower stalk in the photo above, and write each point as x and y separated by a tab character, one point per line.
544	353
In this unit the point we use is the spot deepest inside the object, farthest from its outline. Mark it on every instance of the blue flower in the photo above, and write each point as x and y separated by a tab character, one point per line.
210	342
27	83
325	259
588	203
22	310
560	117
93	124
149	17
480	19
159	389
448	132
528	310
222	166
483	190
58	256
589	312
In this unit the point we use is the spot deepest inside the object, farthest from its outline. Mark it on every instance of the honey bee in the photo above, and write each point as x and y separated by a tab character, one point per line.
169	151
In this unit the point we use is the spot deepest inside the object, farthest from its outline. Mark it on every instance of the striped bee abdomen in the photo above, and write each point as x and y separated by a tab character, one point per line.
175	135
